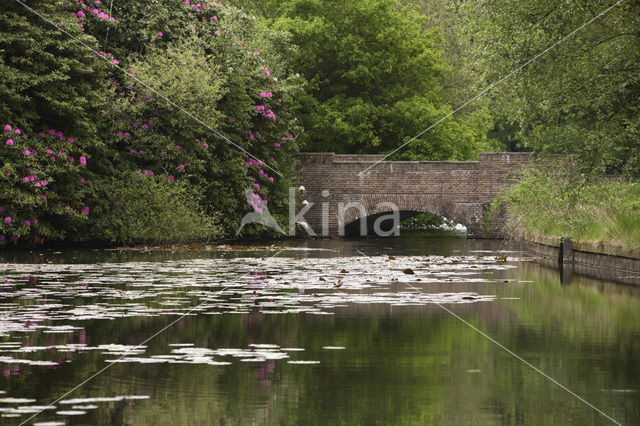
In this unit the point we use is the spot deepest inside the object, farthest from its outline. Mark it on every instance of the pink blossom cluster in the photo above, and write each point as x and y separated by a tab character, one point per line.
36	185
257	202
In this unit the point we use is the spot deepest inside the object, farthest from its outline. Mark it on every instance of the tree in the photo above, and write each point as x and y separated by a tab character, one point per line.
375	70
581	96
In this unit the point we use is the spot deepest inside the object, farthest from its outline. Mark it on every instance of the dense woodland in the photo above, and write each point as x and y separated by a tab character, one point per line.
128	122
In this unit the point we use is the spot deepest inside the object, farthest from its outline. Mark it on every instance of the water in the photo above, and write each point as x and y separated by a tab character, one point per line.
327	331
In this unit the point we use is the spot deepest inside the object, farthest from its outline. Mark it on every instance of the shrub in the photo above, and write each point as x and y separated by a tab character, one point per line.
570	204
138	208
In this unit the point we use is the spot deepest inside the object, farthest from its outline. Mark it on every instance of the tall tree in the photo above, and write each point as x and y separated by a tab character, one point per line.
375	69
581	96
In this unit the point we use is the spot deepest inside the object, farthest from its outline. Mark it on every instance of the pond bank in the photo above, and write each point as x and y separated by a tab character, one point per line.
587	257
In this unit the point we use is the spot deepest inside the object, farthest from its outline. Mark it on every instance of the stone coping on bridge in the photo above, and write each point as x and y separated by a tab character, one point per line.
375	158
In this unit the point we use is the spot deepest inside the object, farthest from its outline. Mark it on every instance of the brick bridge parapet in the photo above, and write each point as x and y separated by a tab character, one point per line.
457	190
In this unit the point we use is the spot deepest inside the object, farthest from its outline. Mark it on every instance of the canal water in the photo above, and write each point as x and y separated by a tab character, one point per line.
418	329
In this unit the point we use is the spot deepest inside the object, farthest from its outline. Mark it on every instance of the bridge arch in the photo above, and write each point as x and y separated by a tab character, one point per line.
377	207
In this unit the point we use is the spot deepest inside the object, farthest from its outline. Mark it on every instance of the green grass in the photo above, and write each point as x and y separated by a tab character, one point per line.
570	204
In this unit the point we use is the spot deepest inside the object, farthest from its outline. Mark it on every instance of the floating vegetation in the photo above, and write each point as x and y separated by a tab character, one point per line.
70	412
50	304
62	296
16	400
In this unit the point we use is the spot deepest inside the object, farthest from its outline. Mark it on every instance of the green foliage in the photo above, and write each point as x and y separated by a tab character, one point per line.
48	79
424	221
569	204
236	129
138	209
581	96
210	110
374	69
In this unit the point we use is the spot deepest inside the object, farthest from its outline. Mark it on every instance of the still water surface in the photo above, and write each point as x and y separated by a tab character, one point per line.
324	332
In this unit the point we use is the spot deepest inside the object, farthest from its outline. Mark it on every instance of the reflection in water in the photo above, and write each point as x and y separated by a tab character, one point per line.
295	339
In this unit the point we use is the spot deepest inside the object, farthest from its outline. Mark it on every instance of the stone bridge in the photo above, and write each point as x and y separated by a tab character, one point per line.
458	190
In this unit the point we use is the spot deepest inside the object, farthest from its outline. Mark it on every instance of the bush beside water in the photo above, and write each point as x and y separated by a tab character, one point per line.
571	204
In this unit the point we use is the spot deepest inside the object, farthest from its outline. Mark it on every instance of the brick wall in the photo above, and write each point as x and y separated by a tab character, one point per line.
459	191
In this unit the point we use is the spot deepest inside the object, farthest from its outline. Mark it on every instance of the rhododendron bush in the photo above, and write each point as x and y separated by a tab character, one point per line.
178	94
44	182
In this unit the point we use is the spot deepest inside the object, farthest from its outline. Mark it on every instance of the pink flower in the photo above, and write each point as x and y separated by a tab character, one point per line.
52	158
7	219
170	177
256	53
25	179
27	222
34	221
277	145
263	95
44	197
217	32
181	167
49	151
159	33
206	145
83	160
26	152
113	61
8	128
177	146
85	210
9	142
17	131
71	140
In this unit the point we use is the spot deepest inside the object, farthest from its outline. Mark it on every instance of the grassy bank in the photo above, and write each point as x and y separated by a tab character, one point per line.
569	204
